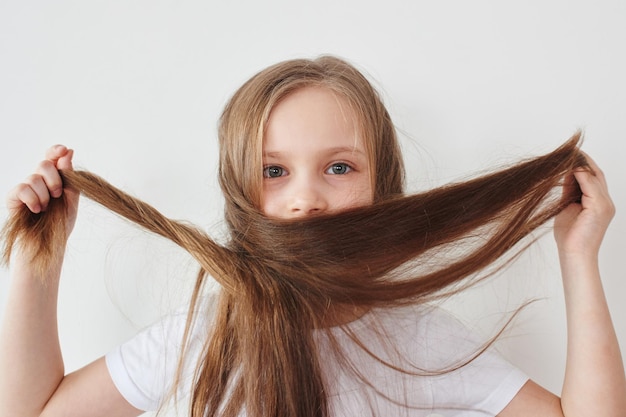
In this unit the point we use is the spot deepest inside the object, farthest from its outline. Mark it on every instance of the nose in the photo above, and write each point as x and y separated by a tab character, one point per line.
307	200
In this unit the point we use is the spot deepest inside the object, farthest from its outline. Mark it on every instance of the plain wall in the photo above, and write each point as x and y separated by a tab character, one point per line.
136	89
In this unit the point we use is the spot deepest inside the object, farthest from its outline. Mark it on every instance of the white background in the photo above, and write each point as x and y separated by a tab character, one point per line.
136	87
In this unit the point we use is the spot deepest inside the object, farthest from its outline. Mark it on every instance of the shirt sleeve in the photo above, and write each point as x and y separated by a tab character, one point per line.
484	382
143	369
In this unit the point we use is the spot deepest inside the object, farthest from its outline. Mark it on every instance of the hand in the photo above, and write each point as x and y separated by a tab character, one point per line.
37	190
580	228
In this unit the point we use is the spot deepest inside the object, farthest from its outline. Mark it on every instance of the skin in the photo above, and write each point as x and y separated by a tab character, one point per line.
314	163
594	383
33	381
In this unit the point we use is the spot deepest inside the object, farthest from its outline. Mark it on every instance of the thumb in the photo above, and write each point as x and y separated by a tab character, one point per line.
65	161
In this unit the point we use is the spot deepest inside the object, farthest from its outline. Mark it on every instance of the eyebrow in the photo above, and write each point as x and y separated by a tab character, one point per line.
330	151
342	149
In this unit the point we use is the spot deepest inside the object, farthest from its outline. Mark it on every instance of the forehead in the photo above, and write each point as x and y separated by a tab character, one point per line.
312	115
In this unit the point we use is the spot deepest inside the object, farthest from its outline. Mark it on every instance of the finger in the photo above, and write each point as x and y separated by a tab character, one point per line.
571	189
65	161
595	193
56	152
33	193
593	177
23	194
589	184
51	178
594	166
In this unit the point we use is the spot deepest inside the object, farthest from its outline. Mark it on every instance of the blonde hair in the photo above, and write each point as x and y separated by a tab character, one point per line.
242	127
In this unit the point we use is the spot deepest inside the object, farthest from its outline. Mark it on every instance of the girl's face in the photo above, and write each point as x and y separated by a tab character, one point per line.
314	161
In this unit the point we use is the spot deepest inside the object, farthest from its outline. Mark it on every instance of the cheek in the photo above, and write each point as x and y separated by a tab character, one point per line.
366	197
265	205
360	194
268	202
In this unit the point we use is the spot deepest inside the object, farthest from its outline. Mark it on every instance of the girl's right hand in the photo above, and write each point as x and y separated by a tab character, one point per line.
46	183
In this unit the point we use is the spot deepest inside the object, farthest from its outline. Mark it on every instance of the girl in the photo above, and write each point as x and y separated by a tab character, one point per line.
318	316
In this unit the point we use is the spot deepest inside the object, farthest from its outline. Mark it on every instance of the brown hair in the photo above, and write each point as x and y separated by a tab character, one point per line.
281	279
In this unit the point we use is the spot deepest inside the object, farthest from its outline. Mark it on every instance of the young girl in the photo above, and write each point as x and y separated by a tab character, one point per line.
316	315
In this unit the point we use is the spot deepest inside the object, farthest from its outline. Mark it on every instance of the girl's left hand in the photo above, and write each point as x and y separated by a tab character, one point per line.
580	228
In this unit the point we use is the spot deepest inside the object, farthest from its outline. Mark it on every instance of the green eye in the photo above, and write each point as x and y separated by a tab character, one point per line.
339	169
273	171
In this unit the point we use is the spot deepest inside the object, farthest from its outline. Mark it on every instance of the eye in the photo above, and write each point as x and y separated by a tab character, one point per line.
340	168
273	171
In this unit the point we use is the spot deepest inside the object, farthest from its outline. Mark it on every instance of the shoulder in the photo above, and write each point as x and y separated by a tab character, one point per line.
428	327
144	367
459	364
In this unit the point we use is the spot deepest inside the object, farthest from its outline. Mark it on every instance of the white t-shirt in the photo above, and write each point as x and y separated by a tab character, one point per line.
419	339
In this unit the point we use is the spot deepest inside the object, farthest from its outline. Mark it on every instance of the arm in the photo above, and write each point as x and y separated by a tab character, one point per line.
594	376
594	383
32	381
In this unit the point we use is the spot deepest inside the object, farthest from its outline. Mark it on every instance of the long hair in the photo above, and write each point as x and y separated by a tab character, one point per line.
281	279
